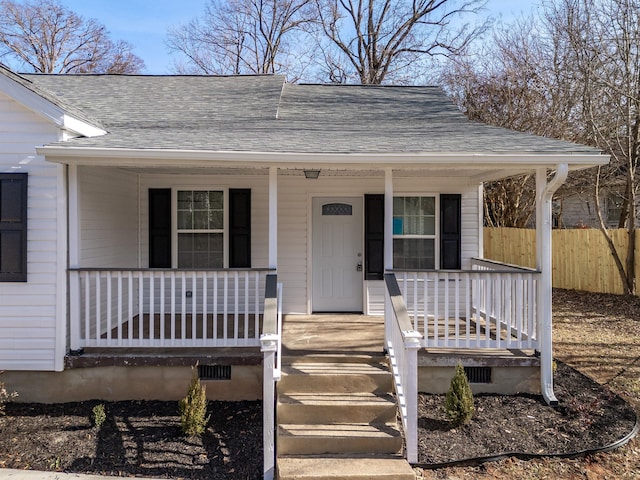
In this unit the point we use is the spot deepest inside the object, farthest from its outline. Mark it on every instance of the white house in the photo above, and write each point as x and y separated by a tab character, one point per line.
146	212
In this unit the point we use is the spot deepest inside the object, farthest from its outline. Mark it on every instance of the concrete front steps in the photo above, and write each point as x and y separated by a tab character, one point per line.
337	419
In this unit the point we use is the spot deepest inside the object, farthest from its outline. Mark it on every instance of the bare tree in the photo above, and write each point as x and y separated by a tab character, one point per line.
47	37
573	73
604	36
370	41
243	36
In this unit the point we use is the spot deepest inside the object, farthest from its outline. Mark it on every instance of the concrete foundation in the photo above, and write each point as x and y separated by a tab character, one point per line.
512	371
114	383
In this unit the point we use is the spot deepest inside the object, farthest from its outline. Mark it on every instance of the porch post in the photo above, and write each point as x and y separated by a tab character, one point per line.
74	260
388	249
273	217
544	195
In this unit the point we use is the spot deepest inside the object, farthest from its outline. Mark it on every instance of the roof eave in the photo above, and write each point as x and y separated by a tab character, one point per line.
202	158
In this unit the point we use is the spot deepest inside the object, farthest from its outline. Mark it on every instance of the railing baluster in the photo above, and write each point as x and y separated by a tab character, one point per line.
225	302
98	311
173	310
236	314
246	308
205	312
194	295
215	306
436	309
183	308
140	307
152	307
447	338
87	307
119	308
256	307
130	308
162	308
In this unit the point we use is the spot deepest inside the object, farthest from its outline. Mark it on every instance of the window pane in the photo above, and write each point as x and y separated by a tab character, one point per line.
398	206
184	200
216	219
185	220
201	220
200	250
215	200
428	205
414	253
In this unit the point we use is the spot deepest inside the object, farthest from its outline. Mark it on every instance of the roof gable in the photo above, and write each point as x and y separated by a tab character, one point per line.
47	105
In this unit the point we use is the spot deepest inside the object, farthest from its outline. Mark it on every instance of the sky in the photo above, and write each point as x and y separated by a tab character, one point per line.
144	23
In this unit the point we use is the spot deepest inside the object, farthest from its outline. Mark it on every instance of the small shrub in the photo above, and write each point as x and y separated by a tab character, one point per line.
99	415
458	402
5	396
193	407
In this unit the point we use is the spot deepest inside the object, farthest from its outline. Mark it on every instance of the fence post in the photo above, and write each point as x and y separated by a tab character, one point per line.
269	346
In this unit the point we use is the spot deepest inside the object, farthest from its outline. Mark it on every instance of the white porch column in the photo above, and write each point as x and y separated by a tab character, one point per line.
273	217
388	219
544	195
75	344
388	250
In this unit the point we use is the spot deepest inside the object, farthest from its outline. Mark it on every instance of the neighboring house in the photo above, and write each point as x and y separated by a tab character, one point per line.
145	215
578	210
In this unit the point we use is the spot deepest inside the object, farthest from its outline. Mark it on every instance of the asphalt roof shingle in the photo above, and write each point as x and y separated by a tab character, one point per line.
265	114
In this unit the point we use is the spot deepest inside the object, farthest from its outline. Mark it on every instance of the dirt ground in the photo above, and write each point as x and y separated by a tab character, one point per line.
597	334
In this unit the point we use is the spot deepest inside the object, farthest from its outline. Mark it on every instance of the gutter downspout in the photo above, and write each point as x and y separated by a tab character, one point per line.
544	195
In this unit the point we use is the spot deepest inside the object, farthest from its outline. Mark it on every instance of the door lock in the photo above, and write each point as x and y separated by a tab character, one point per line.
359	267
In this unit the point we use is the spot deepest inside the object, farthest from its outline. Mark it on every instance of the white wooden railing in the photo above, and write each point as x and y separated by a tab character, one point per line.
403	343
165	308
271	346
491	306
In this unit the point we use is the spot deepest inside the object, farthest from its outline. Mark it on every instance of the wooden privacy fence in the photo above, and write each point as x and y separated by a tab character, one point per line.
581	258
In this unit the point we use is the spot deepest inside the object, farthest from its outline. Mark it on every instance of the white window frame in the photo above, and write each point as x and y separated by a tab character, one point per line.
436	236
174	220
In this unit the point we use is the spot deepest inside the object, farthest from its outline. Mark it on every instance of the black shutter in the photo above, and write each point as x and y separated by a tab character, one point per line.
450	231
13	227
239	228
373	237
159	228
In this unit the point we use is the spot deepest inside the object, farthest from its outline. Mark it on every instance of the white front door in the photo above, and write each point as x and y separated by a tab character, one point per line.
337	278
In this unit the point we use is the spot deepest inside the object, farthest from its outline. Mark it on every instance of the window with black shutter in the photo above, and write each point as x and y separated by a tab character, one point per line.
239	228
200	231
374	237
450	231
13	227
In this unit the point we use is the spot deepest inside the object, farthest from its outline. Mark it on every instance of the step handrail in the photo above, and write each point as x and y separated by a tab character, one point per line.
403	343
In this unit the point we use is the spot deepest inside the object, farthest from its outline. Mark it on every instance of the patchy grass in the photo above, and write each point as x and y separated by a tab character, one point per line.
599	335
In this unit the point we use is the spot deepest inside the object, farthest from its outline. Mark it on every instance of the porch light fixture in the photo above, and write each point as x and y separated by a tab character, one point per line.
312	174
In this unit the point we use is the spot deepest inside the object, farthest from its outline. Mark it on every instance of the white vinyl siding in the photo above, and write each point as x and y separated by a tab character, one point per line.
108	220
28	327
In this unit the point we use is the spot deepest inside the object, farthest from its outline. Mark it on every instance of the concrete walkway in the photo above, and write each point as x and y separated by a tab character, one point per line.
7	473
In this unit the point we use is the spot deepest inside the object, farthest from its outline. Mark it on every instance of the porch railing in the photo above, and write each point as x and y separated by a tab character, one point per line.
271	346
491	306
403	343
165	308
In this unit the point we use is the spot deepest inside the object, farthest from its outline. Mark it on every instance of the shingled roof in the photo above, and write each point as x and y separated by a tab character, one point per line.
266	114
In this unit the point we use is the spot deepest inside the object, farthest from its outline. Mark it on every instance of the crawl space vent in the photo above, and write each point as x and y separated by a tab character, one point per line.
214	372
478	374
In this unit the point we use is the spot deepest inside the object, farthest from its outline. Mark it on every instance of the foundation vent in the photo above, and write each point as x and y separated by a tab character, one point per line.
478	374
214	372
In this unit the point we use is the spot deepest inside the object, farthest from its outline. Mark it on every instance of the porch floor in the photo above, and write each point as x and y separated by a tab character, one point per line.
332	334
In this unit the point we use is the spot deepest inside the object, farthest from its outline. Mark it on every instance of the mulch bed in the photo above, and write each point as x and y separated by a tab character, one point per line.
143	438
138	438
589	417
